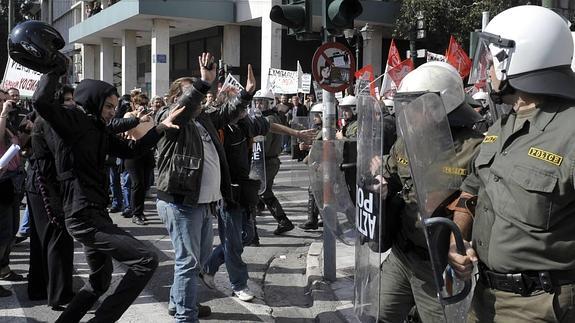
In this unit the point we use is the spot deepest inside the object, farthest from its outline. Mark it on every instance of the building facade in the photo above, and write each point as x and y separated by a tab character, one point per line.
149	43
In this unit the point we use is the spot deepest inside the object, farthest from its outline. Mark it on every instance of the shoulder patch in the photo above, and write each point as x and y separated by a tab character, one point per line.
545	156
402	161
489	139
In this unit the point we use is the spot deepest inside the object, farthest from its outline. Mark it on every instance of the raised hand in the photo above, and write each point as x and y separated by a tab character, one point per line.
208	70
251	81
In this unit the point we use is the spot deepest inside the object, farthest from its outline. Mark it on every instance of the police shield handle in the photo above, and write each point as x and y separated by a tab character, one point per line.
431	225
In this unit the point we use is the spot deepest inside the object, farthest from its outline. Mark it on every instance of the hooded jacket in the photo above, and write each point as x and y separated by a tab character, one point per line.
83	142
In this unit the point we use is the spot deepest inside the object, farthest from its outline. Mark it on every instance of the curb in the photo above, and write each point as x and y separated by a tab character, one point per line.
323	291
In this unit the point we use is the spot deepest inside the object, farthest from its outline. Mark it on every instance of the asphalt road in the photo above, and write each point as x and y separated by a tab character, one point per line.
276	269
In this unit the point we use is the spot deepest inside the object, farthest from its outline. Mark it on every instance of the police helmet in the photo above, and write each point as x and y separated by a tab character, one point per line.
35	44
531	48
349	101
444	79
317	108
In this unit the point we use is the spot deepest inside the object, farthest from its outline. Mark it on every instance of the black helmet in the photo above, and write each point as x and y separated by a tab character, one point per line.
35	44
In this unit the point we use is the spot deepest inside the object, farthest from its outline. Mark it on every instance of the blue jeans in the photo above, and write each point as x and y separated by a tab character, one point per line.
126	189
230	251
24	229
190	230
115	187
248	225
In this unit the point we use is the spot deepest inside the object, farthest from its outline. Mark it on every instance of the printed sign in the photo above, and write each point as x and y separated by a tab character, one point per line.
20	77
230	89
282	81
333	66
159	58
365	216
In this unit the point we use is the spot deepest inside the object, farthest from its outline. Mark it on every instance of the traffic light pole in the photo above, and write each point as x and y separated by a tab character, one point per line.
11	15
328	133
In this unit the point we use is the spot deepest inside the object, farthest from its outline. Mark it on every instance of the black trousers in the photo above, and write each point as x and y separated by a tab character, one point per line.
140	170
51	256
104	241
268	197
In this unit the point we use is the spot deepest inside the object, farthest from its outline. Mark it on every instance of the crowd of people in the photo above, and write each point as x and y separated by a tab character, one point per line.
514	208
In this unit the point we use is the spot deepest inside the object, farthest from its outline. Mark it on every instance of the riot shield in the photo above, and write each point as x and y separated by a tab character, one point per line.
298	123
258	165
369	210
423	124
332	195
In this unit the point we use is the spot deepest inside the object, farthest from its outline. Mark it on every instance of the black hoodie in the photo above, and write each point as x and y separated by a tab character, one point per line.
84	142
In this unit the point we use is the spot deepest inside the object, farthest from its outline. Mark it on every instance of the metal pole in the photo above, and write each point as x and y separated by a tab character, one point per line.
484	19
328	133
11	18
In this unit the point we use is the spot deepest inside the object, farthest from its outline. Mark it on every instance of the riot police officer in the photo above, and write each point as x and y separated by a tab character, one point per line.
407	277
523	178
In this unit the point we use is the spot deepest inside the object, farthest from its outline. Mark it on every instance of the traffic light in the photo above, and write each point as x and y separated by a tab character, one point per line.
296	15
339	15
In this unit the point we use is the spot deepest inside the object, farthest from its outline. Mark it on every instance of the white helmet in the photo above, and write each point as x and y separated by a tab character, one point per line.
349	101
436	77
481	96
317	108
529	46
388	103
264	94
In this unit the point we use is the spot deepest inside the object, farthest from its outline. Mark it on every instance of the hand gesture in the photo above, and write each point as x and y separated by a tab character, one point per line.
251	81
339	135
8	107
306	136
168	122
375	165
462	264
208	69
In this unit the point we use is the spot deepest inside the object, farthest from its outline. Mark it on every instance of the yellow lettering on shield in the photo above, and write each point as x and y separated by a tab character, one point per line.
455	171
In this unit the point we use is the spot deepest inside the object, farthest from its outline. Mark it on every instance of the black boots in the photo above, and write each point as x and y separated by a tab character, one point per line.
284	224
312	214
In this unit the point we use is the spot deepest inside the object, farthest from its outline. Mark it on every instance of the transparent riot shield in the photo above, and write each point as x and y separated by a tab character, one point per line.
369	252
258	160
258	165
332	195
423	125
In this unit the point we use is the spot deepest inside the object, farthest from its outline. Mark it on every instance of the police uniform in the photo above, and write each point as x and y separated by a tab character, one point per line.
407	274
525	216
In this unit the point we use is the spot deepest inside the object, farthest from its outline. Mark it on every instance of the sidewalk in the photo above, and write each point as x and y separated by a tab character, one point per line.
340	293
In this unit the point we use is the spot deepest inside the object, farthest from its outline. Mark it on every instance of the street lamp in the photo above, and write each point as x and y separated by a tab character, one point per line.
353	38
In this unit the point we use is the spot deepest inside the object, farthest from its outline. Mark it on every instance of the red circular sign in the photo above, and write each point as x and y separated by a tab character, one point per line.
333	67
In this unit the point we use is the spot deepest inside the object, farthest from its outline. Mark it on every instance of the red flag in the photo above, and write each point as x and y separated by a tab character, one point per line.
400	71
457	57
393	60
365	79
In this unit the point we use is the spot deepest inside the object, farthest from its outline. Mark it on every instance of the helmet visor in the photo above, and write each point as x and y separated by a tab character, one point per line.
488	46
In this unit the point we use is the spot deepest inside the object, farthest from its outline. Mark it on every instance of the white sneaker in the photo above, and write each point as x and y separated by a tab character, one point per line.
208	280
244	295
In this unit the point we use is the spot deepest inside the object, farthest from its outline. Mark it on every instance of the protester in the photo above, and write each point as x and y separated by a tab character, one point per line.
51	247
141	167
193	178
84	137
235	137
9	195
